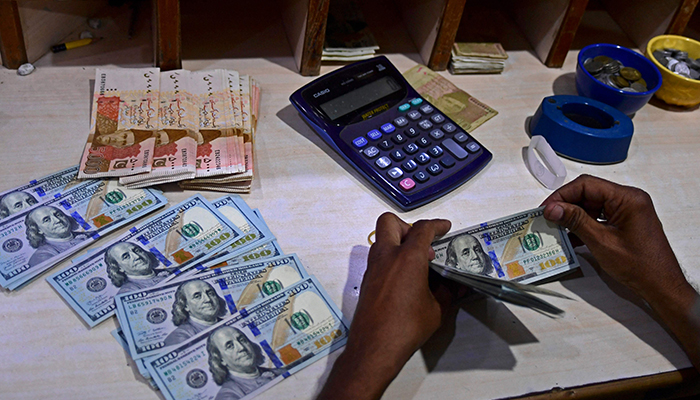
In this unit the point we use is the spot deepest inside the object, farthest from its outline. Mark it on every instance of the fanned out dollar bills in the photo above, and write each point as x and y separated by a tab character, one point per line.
150	128
37	238
500	258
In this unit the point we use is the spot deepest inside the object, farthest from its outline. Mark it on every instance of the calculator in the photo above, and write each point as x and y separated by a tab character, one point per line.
409	150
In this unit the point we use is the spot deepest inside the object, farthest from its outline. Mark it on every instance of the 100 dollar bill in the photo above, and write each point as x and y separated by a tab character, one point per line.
156	319
275	338
523	247
36	191
36	239
147	255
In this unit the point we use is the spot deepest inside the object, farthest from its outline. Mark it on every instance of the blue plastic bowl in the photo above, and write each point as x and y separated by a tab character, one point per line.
627	102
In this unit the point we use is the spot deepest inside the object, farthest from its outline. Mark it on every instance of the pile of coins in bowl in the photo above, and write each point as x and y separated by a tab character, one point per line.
678	62
612	73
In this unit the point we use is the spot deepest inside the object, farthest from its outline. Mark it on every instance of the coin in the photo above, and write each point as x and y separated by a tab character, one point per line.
592	66
620	81
638	87
630	73
642	81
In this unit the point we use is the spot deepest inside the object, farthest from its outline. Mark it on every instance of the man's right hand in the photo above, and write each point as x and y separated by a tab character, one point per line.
621	229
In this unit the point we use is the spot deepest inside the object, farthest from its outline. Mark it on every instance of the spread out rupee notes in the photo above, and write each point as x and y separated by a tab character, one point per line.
522	247
38	238
147	255
37	191
270	340
175	150
157	319
457	104
123	122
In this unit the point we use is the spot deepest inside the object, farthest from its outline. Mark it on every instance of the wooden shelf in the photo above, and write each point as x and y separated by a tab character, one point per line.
550	27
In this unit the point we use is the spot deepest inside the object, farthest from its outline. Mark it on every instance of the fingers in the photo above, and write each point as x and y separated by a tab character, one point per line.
589	192
576	220
390	230
424	232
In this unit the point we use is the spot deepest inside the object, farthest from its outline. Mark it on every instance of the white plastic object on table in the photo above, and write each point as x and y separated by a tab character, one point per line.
553	172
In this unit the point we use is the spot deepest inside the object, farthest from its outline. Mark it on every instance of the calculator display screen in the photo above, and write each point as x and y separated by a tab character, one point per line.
360	97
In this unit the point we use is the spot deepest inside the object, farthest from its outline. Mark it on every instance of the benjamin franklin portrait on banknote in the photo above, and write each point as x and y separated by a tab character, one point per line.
235	361
131	268
465	252
51	232
14	202
197	307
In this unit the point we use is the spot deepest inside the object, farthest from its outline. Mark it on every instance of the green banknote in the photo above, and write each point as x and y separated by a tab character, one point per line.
147	255
523	247
255	348
38	238
159	318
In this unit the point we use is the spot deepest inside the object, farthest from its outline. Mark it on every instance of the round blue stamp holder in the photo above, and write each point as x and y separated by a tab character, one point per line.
583	129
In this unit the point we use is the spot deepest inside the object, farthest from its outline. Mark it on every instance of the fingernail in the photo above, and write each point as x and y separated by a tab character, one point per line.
557	213
431	254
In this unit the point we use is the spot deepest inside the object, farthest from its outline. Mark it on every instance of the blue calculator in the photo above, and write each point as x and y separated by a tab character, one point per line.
396	139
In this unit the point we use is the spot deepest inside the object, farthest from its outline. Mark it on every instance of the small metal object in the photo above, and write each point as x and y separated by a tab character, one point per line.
86	35
630	74
25	69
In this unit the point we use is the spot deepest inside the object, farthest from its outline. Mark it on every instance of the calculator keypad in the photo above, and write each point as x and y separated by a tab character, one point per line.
418	148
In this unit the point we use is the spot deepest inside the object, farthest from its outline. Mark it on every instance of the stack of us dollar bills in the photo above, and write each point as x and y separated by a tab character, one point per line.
150	127
206	301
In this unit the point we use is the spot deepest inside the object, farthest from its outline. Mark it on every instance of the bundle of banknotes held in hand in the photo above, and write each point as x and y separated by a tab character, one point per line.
150	127
502	258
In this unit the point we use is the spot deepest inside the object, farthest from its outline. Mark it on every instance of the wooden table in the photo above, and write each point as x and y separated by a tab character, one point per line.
319	208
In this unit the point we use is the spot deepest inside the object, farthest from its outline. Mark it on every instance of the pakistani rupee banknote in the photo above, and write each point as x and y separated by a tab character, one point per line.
147	255
38	238
523	247
175	148
36	191
156	319
273	339
457	104
123	122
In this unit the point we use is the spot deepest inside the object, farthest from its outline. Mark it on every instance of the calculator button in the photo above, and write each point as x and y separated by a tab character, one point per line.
397	155
410	148
374	134
449	127
395	173
388	128
421	176
407	184
473	147
371	152
425	124
414	115
461	137
409	165
423	142
416	101
404	107
386	144
401	121
360	142
411	132
437	118
455	149
434	169
435	151
437	134
426	109
383	162
398	138
447	161
422	158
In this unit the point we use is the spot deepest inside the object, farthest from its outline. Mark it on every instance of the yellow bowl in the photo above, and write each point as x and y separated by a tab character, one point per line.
676	89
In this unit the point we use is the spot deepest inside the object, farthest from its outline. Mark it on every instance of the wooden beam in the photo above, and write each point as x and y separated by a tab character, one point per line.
447	32
681	17
12	49
167	43
314	37
565	34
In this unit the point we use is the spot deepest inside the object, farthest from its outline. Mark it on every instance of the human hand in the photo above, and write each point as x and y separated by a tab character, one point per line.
396	312
629	242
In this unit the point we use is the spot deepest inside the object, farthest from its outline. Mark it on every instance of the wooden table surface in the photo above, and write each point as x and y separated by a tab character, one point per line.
321	209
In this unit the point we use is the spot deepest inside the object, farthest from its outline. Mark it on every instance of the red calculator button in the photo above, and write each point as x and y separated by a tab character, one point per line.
407	184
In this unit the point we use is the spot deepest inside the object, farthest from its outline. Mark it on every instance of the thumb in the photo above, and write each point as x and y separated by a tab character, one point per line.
575	219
